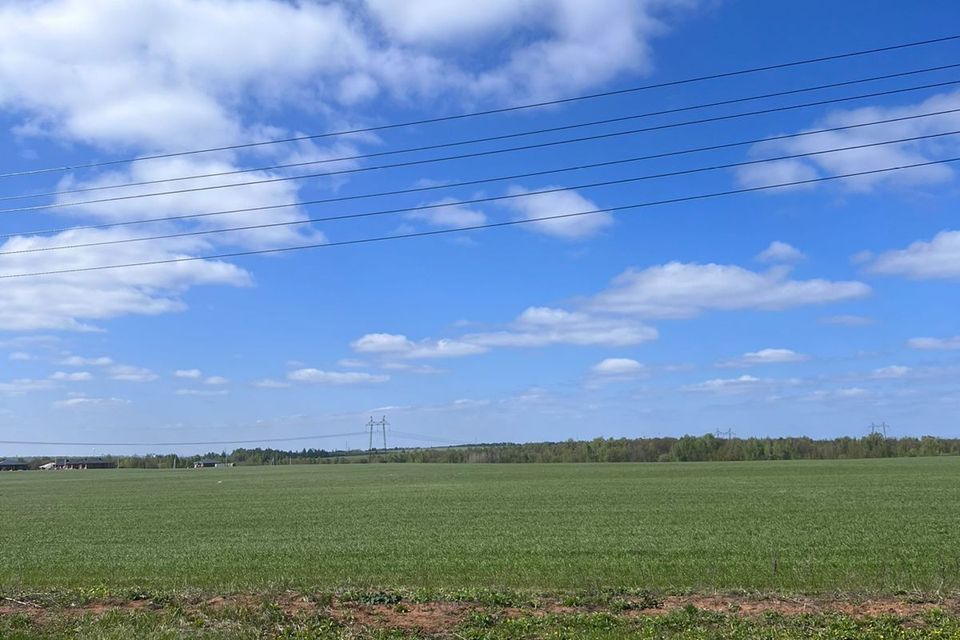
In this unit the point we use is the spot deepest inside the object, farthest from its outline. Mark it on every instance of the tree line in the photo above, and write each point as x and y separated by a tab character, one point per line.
705	448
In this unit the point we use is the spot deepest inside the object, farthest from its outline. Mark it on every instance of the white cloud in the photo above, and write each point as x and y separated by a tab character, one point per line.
844	393
402	347
76	376
81	401
452	217
202	393
681	290
618	367
350	363
868	158
156	75
192	374
559	203
545	326
549	47
780	252
216	380
20	356
21	386
79	361
934	344
730	385
316	376
269	383
893	371
69	301
936	259
144	73
765	356
128	373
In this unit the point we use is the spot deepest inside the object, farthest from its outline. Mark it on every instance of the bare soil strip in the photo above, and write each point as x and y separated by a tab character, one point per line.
438	616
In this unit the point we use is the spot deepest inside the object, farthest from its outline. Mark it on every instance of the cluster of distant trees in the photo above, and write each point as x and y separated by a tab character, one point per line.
704	448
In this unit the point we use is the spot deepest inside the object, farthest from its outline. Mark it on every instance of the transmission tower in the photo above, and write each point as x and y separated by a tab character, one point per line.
880	429
373	425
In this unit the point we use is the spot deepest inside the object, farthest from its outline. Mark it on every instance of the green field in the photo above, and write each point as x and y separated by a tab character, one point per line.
880	526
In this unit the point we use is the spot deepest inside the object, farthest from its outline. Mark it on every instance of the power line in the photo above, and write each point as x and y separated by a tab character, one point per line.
403	435
447	145
492	225
509	196
667	154
175	444
473	114
413	436
411	163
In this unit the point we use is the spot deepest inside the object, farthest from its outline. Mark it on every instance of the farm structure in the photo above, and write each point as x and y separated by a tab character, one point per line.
209	464
13	465
86	463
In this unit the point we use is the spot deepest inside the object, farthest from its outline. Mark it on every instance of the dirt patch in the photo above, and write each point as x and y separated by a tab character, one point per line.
430	617
754	606
435	618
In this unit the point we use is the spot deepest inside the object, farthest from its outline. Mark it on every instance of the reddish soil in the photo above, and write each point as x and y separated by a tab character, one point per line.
437	617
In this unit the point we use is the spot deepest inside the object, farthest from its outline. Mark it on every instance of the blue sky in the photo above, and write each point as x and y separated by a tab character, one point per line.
812	310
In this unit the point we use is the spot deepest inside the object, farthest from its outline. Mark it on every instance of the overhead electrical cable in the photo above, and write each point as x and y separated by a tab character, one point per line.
516	176
273	180
509	196
401	434
478	227
457	143
473	114
171	444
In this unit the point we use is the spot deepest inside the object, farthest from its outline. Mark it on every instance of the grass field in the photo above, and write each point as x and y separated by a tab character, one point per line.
854	526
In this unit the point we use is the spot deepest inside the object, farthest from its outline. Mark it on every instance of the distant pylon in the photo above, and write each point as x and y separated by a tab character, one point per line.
878	428
372	425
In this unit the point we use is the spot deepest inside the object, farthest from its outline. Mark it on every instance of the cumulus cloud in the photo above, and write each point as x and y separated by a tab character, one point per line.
780	252
215	380
938	259
128	373
765	356
545	326
20	386
616	369
400	346
192	374
893	371
683	290
843	393
75	376
80	361
82	401
136	78
72	300
202	393
270	383
740	384
316	376
559	203
869	158
934	344
610	318
449	217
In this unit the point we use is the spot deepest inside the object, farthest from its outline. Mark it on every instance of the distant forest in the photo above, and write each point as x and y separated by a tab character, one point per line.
685	449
